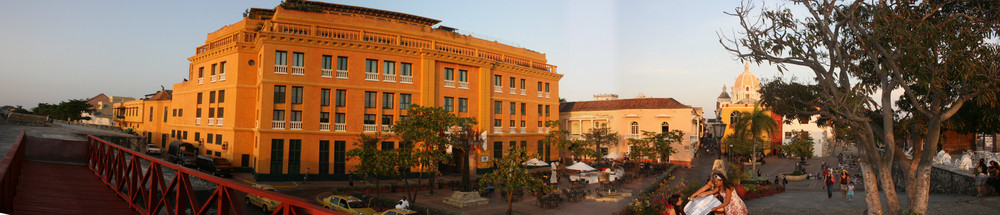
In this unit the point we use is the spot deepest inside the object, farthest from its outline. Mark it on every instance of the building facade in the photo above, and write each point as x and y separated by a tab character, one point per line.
287	91
745	97
630	117
103	106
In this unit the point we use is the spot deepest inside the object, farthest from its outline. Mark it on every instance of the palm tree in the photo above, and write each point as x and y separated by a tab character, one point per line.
754	125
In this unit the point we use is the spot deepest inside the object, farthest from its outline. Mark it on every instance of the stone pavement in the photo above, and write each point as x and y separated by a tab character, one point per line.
809	196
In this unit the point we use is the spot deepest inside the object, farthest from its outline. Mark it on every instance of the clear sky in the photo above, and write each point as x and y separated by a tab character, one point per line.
59	50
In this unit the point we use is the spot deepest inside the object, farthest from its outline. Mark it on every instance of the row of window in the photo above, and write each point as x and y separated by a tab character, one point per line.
543	149
218	72
370	98
388	67
211	97
298	60
499	123
295	156
498	108
463	104
211	112
498	82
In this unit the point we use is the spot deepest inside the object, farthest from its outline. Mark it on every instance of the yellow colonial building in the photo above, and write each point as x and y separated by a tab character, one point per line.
286	91
629	117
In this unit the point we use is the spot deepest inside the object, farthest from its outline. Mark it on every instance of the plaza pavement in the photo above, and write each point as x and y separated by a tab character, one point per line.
809	196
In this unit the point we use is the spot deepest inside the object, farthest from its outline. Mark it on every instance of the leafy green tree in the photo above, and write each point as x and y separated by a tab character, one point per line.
558	137
753	127
655	145
374	162
426	126
801	145
599	137
67	110
463	140
939	54
511	176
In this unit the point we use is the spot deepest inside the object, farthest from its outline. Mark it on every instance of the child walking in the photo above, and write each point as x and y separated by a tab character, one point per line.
850	191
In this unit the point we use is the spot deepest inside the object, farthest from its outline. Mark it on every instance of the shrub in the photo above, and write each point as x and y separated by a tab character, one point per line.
798	172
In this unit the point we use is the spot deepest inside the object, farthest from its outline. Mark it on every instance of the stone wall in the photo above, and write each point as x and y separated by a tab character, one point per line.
943	180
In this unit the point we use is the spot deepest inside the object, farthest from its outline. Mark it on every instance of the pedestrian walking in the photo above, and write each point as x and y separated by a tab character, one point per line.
828	180
305	179
850	191
844	179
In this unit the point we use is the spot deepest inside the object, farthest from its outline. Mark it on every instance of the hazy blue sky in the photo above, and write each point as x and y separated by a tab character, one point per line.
59	50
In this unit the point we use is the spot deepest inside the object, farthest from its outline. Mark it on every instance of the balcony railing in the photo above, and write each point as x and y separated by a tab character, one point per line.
546	94
201	80
575	137
372	36
340	126
197	121
218	121
342	74
298	70
389	77
281	69
387	128
540	94
295	125
222	76
463	85
406	79
370	128
278	124
498	130
449	83
524	130
497	89
513	91
213	78
631	136
524	92
324	126
371	76
211	121
326	73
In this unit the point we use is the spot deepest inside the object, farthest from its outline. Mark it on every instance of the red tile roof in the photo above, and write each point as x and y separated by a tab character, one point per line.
98	98
621	104
162	95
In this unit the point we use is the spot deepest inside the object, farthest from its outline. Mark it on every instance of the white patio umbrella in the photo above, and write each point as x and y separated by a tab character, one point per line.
613	156
581	166
535	162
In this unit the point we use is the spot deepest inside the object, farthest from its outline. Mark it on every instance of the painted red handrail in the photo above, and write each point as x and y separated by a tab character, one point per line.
10	173
120	168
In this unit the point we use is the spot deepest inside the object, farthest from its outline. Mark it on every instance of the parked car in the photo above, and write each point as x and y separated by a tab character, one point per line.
347	204
182	153
153	150
399	212
214	165
265	204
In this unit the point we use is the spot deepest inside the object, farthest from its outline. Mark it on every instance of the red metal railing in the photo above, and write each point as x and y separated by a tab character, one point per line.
10	174
147	193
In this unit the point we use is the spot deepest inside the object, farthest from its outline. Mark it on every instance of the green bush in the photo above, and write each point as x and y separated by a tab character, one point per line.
798	172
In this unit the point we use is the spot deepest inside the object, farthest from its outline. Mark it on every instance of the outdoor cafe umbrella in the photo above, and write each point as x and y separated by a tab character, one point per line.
535	162
581	166
613	156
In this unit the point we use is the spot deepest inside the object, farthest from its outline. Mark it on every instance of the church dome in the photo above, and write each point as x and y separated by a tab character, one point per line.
746	81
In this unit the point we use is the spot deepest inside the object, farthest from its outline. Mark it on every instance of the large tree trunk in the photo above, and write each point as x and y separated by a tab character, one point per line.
466	168
923	173
871	189
889	187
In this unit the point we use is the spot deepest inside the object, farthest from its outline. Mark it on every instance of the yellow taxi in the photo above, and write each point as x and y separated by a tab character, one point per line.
399	212
265	204
347	204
